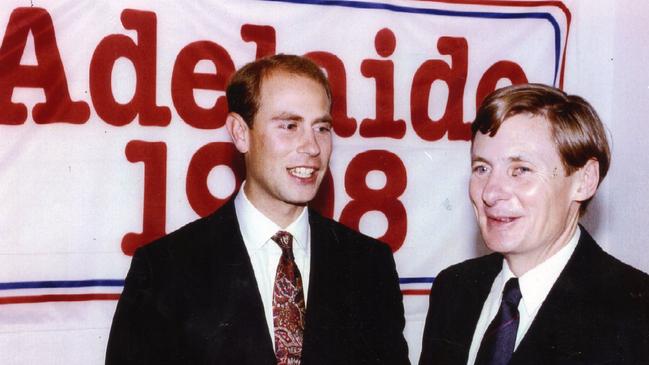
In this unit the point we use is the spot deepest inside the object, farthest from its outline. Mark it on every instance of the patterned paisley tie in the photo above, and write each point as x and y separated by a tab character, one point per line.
288	304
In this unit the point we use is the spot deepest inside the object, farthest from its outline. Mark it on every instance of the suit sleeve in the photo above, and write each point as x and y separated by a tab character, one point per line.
390	320
139	333
433	319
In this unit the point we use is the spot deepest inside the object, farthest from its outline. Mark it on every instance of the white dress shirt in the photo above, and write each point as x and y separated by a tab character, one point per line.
535	286
257	230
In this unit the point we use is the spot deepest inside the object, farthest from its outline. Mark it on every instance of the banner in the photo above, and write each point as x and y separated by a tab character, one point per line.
112	134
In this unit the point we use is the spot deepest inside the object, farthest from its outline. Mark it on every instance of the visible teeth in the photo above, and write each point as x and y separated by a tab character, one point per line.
303	172
504	219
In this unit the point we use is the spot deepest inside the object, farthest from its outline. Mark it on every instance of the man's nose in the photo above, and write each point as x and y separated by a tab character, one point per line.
496	188
309	143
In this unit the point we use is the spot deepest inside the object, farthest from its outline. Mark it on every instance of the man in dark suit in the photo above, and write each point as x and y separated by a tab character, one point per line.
265	280
549	294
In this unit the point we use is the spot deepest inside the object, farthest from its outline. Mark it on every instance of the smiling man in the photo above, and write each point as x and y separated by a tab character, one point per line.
265	280
549	294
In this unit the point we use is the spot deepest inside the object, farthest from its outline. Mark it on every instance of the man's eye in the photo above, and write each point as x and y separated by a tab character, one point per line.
480	169
520	170
289	126
323	128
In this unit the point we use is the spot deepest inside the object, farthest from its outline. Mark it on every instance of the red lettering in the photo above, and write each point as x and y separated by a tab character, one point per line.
143	56
383	72
48	75
262	35
204	160
343	125
384	200
497	71
154	157
184	80
455	78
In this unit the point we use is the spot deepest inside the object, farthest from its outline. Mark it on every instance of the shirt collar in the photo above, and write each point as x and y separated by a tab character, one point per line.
257	229
537	282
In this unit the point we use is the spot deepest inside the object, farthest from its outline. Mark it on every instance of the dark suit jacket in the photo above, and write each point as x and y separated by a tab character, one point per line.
597	312
191	298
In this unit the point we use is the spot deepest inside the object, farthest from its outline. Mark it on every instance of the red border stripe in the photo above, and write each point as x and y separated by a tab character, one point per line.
57	298
89	297
415	291
558	4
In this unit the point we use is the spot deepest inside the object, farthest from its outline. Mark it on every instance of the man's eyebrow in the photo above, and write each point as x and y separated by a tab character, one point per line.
475	159
325	119
288	116
518	158
297	118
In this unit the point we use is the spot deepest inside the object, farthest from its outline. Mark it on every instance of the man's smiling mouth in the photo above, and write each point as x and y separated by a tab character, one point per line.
302	172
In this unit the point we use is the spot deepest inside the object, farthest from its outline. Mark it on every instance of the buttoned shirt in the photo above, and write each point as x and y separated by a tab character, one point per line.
535	286
257	230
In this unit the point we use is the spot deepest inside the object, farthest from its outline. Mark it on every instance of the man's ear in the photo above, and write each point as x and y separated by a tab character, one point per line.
239	131
588	180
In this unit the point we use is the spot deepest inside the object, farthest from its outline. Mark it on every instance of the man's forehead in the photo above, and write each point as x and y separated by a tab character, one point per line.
281	74
284	77
521	137
281	98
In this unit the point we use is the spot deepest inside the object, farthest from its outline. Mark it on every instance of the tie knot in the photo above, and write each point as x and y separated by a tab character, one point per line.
512	292
285	241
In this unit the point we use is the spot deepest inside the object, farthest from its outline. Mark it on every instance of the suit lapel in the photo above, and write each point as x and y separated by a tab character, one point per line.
474	292
235	296
456	301
550	336
325	321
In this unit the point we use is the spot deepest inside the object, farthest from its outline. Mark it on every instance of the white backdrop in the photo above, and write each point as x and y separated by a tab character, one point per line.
71	192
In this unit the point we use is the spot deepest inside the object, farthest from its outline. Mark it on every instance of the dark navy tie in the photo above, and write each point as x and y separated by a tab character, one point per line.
498	342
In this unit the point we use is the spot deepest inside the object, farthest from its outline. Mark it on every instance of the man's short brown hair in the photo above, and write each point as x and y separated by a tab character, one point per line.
244	87
578	133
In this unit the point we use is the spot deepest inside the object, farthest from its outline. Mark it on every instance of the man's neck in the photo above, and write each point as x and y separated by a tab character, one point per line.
281	213
524	262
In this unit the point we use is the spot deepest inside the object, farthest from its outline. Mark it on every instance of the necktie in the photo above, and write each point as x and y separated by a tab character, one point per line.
498	342
288	304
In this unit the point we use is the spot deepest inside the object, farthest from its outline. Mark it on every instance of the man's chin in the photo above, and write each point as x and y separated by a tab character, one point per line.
300	199
495	240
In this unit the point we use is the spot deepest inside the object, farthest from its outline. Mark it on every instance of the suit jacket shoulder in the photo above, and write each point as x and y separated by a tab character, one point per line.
197	236
456	300
191	297
597	312
343	236
354	311
474	270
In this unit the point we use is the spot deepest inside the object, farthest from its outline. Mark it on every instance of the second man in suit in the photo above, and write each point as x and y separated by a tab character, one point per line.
549	294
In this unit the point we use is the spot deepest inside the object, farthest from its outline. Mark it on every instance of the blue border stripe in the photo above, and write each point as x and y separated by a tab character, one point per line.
61	284
120	283
416	280
453	13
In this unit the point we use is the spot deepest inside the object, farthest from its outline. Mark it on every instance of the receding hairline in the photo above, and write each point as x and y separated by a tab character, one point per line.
279	72
244	87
